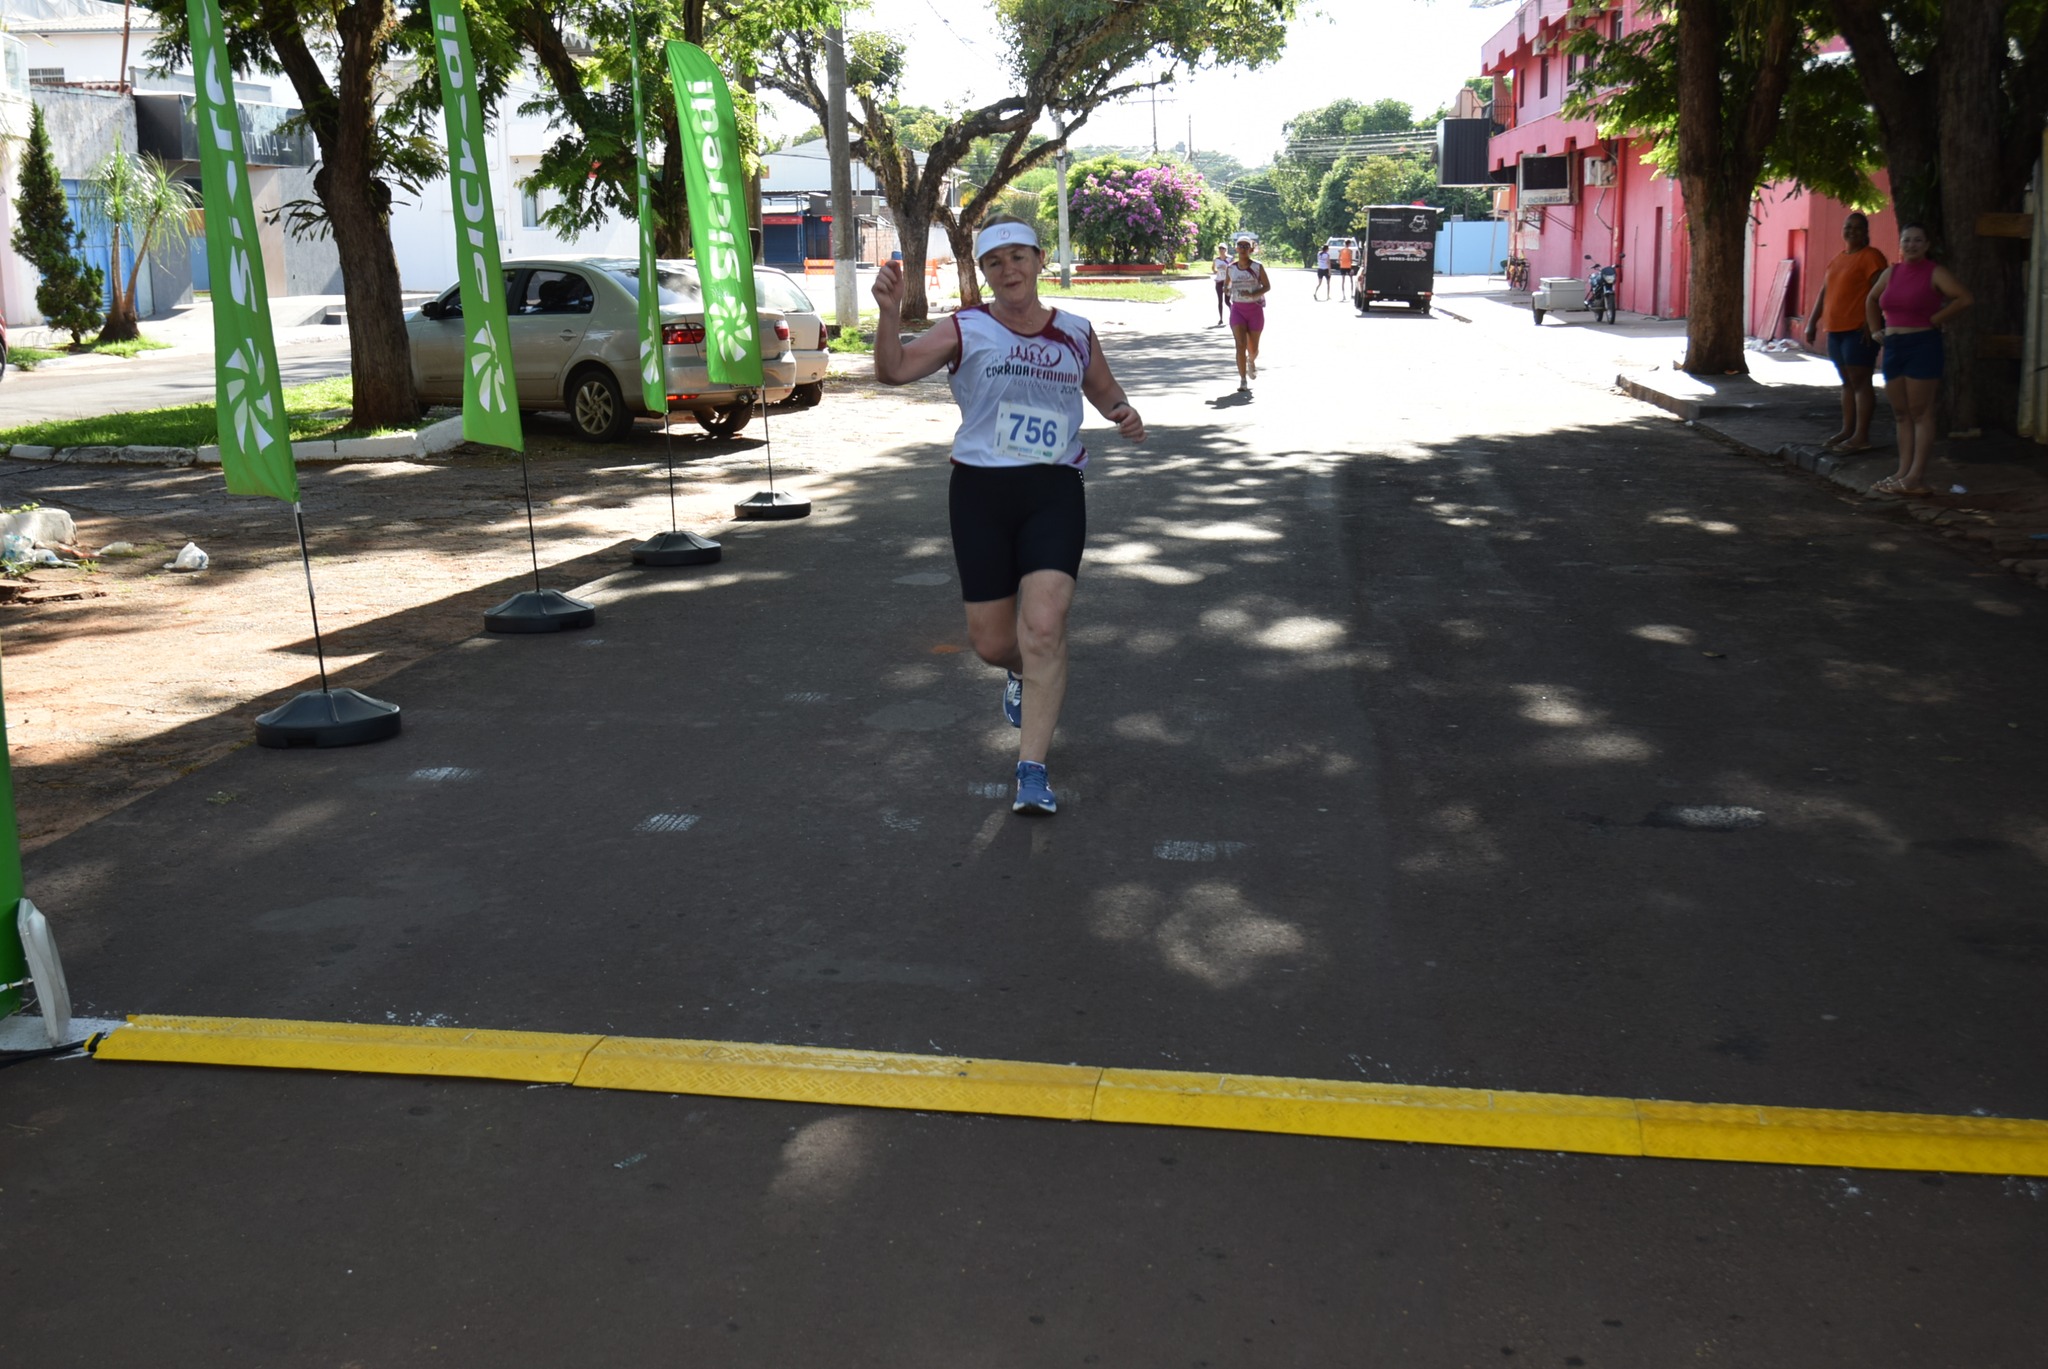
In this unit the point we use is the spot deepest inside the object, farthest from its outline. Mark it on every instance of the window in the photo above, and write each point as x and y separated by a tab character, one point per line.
1521	92
46	76
529	209
1542	78
556	292
1614	26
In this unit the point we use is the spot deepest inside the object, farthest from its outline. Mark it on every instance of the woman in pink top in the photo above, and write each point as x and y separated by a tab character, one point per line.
1906	308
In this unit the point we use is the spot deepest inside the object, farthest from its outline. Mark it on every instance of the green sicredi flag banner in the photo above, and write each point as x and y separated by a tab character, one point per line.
255	434
653	378
712	173
490	407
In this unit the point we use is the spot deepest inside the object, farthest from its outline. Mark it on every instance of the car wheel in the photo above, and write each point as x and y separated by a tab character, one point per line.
597	406
808	396
726	422
1539	316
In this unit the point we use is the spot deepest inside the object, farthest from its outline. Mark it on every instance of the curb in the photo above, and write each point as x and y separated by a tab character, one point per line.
1351	1109
428	441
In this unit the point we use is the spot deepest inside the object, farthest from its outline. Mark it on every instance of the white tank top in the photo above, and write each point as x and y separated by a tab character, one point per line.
1019	394
1244	283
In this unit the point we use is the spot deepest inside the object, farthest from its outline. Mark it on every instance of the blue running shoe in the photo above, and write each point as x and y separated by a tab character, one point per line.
1034	797
1013	699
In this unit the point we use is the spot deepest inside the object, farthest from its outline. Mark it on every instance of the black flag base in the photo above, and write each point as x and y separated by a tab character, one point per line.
772	504
328	717
539	610
676	549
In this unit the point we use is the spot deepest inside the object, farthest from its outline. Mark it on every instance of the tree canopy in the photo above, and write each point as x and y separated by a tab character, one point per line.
1068	59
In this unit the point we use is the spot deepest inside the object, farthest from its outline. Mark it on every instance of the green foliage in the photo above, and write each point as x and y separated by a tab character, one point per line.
1216	220
69	292
1826	140
584	51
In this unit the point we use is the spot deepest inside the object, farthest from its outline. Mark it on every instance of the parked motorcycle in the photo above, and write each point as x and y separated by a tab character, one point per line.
1600	289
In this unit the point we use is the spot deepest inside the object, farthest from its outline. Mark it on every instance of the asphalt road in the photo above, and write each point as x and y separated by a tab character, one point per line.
1439	716
82	387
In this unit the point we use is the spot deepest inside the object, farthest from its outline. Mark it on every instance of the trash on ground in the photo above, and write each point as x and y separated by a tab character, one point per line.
42	527
1957	489
120	549
189	557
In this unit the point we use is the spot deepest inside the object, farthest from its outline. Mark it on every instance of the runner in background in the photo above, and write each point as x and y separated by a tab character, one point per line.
1322	273
1019	371
1249	286
1219	270
1347	267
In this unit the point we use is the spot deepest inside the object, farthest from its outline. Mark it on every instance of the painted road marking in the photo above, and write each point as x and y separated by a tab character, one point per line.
1199	850
667	822
1412	1113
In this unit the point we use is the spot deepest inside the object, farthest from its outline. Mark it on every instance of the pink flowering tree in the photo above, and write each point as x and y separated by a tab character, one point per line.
1127	214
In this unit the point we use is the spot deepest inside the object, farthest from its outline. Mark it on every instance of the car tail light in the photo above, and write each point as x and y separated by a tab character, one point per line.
781	330
682	334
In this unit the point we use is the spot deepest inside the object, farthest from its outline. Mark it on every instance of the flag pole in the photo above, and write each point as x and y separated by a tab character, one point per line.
674	547
254	431
490	408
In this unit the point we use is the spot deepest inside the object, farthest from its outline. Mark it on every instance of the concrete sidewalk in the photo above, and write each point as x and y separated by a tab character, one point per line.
1991	489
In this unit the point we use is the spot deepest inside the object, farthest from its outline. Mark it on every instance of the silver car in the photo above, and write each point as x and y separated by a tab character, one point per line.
780	291
575	327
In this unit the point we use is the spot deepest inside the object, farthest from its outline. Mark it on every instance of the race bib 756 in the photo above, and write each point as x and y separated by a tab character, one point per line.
1032	434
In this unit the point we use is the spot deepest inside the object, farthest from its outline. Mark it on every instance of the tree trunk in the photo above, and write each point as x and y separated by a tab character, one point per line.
120	324
1714	332
380	353
961	236
1714	218
915	237
358	205
1972	42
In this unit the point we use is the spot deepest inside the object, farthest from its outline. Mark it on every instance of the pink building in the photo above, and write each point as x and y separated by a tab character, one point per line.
1569	192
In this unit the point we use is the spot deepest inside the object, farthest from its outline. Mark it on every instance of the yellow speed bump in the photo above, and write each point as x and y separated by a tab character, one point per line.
1302	1107
868	1079
1371	1112
351	1048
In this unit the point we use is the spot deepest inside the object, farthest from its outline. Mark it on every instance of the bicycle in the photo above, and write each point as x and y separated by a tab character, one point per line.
1518	273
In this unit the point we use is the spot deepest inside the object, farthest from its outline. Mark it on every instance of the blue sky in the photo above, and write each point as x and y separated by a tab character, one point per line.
1413	50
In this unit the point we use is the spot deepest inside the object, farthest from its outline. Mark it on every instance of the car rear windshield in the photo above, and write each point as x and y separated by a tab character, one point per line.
678	288
777	291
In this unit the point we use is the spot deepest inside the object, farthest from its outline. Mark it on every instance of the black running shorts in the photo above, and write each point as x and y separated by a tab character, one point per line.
1011	520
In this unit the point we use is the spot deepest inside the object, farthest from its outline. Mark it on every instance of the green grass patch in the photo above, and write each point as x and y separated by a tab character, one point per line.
313	410
126	349
25	358
1140	291
849	341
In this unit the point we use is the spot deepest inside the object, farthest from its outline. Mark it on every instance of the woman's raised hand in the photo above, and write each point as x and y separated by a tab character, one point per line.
889	288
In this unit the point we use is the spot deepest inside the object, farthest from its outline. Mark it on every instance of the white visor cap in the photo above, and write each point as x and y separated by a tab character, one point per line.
1004	235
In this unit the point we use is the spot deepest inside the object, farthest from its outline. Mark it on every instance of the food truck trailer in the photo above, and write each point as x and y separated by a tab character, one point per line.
1399	257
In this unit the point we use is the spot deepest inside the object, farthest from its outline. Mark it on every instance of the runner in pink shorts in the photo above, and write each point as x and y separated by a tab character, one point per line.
1248	288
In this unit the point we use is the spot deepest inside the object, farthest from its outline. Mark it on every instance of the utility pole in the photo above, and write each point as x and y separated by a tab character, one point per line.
845	243
1059	162
1155	121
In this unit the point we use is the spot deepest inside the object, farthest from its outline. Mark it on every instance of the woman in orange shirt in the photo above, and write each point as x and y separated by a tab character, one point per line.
1850	347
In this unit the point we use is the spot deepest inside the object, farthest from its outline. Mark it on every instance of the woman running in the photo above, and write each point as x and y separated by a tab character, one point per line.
1248	287
1019	371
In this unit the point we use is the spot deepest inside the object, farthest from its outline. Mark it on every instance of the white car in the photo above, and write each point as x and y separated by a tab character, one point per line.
575	347
780	291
